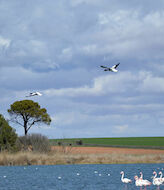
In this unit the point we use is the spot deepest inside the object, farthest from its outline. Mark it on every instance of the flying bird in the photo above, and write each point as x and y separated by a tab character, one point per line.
112	69
34	94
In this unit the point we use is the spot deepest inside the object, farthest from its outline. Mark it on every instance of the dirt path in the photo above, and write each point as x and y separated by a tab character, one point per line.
108	150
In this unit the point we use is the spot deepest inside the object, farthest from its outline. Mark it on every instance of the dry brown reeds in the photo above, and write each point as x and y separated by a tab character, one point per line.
58	157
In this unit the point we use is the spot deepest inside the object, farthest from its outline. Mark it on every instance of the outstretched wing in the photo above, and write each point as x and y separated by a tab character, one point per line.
38	93
115	66
103	67
31	94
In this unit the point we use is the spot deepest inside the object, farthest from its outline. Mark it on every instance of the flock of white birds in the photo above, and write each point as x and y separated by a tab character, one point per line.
112	69
139	181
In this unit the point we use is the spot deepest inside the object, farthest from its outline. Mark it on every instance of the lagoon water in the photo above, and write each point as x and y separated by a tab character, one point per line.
74	177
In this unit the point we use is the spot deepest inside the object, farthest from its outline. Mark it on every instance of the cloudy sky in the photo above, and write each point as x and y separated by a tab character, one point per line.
57	47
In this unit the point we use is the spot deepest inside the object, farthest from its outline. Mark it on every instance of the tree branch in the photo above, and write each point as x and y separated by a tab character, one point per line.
38	120
15	120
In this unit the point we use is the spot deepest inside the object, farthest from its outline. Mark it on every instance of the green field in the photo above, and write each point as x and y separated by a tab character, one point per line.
135	142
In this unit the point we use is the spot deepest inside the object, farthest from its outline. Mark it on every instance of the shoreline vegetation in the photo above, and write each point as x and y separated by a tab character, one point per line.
65	155
37	149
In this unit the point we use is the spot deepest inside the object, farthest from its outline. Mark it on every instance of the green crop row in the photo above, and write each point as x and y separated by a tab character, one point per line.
124	141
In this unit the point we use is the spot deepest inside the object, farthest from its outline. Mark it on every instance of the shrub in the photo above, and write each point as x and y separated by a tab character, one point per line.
8	136
80	142
59	143
35	142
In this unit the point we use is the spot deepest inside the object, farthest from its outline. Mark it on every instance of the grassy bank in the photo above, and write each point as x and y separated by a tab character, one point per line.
53	158
131	142
65	155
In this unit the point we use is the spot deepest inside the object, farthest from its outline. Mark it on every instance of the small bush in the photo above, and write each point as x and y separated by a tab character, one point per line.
80	142
59	143
34	142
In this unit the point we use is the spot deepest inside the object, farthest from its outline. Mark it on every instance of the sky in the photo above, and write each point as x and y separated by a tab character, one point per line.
57	47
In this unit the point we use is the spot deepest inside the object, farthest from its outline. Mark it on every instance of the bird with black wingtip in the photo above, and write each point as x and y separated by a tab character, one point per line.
112	69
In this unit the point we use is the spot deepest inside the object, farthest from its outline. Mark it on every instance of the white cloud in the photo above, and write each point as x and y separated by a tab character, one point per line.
72	118
4	42
89	49
121	129
66	54
64	119
154	19
151	83
103	18
71	92
127	34
27	49
117	86
118	18
78	2
38	47
101	85
44	64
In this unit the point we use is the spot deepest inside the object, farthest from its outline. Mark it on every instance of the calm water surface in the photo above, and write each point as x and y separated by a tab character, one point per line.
74	177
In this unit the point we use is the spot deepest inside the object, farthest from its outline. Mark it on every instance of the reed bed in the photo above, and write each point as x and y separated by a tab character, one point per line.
54	158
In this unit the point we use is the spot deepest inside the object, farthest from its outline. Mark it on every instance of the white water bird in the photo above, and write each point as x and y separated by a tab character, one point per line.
141	176
156	181
146	182
125	180
138	181
112	69
161	178
34	94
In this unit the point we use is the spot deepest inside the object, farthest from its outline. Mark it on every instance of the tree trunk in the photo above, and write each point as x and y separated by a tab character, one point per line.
25	131
25	127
